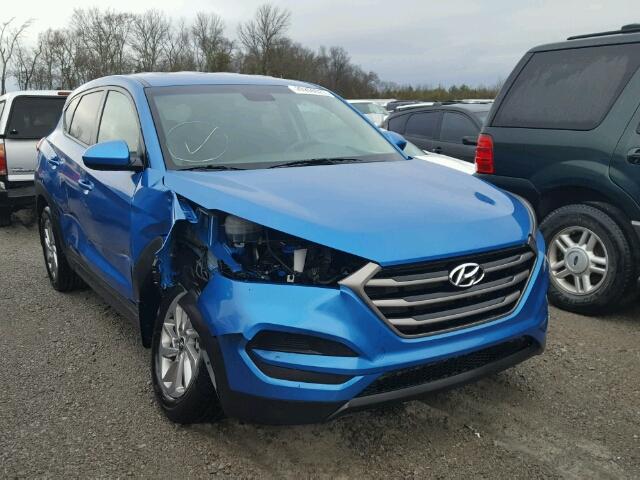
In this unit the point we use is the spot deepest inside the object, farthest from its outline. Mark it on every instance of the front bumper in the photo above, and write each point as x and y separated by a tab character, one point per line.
235	312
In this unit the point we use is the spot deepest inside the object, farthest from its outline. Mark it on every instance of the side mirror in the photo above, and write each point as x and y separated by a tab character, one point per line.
112	155
395	138
470	140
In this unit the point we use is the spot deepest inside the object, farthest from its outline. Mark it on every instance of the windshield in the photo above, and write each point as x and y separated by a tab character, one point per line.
369	107
255	126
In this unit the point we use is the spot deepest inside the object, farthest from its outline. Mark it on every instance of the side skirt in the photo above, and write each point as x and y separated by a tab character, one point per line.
124	307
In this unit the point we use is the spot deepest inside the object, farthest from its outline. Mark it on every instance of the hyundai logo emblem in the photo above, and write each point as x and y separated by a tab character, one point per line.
466	275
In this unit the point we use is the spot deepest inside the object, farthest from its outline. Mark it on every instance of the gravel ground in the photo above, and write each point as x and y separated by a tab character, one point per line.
77	402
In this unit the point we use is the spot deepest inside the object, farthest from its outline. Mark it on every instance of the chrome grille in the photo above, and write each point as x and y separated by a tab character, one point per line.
419	299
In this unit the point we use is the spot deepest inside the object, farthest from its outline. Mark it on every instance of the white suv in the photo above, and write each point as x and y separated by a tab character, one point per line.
25	118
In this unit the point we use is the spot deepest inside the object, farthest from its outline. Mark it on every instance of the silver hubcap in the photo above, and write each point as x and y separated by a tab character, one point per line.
578	260
178	353
50	250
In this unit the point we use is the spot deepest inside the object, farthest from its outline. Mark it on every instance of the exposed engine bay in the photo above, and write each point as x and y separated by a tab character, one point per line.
243	250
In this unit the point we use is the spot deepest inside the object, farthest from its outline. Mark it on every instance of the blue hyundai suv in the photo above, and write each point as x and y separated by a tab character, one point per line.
283	258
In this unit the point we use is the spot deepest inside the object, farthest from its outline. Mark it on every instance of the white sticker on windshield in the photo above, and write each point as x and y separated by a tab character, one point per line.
309	91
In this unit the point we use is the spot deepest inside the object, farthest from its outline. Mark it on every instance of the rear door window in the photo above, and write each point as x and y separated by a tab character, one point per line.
33	117
423	124
396	124
84	120
568	89
455	126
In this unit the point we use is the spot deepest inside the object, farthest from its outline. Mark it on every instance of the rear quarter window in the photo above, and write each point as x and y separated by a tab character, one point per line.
68	113
569	89
1	109
33	117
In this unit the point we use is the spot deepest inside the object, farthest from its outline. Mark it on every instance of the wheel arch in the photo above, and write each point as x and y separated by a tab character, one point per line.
560	196
146	289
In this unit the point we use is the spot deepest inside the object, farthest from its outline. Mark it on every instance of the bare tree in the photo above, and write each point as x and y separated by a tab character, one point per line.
339	66
9	38
149	39
213	49
99	42
26	63
104	37
260	35
179	51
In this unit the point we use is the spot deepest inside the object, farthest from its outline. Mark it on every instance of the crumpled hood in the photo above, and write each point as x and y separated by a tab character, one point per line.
387	212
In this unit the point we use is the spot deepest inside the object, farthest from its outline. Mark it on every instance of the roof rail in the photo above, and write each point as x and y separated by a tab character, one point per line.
630	28
468	101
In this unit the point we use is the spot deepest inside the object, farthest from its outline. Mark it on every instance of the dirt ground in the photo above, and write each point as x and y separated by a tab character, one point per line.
77	401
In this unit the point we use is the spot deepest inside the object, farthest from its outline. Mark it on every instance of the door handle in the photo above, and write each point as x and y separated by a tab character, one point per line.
437	150
633	156
86	185
54	162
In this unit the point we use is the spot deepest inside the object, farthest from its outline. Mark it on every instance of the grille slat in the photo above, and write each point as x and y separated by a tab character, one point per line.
409	280
443	316
419	299
436	297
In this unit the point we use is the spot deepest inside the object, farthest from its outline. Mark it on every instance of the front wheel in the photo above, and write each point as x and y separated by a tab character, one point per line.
590	259
180	378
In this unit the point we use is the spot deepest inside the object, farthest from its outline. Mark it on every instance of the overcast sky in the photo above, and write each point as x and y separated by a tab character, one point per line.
405	41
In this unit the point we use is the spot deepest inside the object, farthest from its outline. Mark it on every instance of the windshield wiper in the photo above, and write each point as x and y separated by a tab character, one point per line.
211	167
315	161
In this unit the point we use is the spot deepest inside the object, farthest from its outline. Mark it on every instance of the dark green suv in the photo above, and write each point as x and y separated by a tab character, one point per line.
564	133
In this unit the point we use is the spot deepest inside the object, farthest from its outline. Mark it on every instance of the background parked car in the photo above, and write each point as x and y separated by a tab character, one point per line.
448	128
372	110
25	117
565	134
450	162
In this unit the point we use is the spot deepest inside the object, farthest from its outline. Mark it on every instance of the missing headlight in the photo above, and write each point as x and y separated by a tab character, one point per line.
272	256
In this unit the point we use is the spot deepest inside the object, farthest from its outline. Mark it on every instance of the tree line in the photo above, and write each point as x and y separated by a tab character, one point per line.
106	42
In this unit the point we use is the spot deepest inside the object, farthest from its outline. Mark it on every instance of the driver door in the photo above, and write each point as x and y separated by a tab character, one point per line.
108	197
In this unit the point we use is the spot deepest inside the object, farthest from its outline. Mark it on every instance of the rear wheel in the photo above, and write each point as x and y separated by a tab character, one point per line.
62	277
180	378
590	259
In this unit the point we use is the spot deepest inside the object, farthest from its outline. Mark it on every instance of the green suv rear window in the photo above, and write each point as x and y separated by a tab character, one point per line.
568	89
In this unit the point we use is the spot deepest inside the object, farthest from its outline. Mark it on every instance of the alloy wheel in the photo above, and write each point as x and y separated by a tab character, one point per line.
50	249
578	260
178	353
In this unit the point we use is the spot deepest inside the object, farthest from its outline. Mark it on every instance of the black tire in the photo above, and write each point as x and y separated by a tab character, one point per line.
199	403
5	217
619	277
62	276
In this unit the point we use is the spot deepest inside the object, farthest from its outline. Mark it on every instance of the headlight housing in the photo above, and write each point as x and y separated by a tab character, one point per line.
255	252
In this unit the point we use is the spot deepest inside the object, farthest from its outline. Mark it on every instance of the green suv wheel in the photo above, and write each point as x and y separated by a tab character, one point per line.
590	260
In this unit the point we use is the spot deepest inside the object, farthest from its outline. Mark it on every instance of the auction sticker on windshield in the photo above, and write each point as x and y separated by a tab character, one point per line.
309	91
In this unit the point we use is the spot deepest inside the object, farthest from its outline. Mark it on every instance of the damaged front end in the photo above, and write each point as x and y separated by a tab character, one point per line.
204	243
